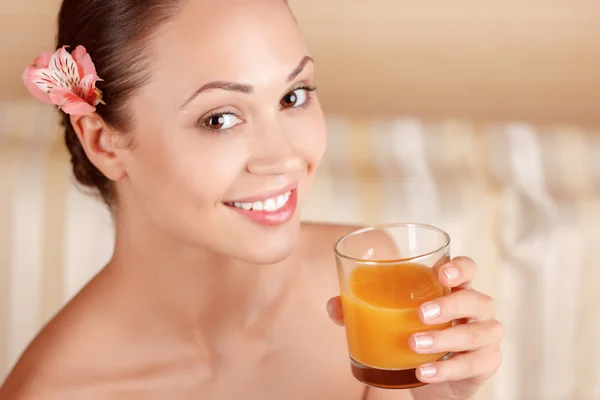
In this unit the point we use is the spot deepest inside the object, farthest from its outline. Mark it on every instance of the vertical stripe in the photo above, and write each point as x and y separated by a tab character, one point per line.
55	190
321	199
26	247
587	351
451	162
592	144
562	310
574	183
486	252
492	151
531	249
6	226
491	203
574	172
345	187
386	167
419	189
551	164
89	239
361	160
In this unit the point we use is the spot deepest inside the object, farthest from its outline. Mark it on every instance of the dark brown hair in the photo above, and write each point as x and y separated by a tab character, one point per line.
115	34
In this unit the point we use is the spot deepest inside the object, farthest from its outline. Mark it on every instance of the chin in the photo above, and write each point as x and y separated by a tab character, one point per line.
270	246
273	251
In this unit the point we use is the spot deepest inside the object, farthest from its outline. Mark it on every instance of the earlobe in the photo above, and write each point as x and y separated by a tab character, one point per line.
97	141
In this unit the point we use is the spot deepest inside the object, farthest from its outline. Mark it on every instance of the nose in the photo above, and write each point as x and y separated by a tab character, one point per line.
274	153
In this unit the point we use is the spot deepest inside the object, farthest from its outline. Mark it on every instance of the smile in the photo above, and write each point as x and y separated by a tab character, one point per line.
271	211
269	205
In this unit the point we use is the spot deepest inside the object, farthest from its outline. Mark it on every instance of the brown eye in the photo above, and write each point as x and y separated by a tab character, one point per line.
295	98
289	100
215	122
221	121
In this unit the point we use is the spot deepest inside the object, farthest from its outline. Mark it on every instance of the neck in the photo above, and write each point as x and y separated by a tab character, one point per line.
197	287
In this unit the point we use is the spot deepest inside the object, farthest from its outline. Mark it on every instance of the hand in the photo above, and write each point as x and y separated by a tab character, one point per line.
474	341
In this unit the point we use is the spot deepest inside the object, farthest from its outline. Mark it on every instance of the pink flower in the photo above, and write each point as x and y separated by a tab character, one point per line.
69	81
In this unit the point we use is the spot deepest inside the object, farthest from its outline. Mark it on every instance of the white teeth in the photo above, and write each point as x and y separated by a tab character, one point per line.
269	205
281	200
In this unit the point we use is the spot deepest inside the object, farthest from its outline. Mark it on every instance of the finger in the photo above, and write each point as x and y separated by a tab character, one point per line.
459	338
467	304
334	309
459	272
480	364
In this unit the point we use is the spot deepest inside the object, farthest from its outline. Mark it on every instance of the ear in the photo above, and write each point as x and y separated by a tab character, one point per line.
97	140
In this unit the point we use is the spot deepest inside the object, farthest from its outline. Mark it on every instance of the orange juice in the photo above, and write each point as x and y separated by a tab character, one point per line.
380	306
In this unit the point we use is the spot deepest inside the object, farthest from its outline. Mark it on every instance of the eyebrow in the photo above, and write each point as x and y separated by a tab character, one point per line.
241	87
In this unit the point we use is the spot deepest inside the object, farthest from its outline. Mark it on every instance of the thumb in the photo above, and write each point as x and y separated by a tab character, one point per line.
334	309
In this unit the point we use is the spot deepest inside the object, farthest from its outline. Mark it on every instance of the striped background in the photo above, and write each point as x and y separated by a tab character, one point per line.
523	201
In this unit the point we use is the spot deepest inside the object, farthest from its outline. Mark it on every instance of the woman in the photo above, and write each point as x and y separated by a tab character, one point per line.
203	142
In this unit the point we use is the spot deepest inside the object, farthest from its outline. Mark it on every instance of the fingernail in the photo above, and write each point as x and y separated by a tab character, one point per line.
428	371
330	308
423	341
451	273
430	310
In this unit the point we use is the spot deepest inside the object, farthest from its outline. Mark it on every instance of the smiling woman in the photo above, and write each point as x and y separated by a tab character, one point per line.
202	131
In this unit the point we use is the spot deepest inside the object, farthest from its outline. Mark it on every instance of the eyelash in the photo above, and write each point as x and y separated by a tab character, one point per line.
309	100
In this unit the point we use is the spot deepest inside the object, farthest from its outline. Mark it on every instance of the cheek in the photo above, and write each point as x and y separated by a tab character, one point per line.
310	136
181	175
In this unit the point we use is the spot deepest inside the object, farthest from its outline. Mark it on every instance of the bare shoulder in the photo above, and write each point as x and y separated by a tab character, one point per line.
59	357
90	350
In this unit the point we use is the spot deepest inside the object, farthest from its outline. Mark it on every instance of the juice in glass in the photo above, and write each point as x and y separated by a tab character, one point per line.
381	296
381	313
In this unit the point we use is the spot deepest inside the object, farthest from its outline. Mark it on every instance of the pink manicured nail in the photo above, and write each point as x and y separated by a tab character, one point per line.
330	308
423	341
428	371
452	273
430	310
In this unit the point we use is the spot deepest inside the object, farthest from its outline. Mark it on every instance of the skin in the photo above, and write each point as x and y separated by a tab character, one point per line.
198	301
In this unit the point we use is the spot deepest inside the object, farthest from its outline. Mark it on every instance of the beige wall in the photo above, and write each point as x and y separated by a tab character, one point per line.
533	60
536	60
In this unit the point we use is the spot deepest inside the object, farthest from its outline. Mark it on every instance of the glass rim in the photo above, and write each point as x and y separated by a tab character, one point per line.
356	232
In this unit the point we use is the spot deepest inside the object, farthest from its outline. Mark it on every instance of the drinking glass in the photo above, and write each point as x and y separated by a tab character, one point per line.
385	273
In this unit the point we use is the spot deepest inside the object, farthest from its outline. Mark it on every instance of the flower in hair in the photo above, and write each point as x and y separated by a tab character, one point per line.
67	80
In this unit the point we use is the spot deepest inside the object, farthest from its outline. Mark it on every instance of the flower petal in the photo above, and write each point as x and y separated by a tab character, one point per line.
87	90
33	88
43	60
84	61
64	68
69	102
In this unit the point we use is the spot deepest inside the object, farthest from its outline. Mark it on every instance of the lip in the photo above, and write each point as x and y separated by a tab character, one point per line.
265	195
276	218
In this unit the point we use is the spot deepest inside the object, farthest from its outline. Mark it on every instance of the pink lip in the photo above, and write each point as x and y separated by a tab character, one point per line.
279	217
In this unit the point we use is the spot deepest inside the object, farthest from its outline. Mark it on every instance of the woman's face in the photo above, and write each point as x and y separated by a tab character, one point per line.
228	133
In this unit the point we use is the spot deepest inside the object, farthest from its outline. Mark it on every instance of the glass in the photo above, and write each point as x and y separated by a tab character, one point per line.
385	273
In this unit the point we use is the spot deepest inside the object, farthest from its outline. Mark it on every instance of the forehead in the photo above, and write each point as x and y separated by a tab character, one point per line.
251	41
